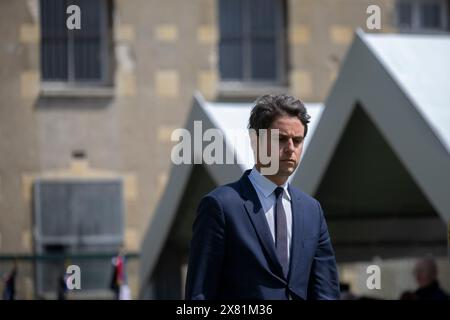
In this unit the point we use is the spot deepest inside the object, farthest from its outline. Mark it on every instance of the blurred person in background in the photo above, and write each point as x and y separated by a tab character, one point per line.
119	279
346	292
62	288
426	272
9	291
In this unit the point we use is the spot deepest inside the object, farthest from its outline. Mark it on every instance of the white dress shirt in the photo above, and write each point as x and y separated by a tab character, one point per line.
265	190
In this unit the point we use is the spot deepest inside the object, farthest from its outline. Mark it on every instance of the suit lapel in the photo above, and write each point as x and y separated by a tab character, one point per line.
297	244
259	221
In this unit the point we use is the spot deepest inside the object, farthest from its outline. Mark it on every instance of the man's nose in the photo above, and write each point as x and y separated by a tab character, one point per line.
290	145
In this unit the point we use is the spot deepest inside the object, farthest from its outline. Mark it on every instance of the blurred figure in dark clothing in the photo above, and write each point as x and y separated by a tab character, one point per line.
115	284
425	272
61	283
346	293
408	295
62	287
9	291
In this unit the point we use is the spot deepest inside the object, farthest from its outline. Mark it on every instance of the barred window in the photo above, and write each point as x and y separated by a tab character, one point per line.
252	40
78	55
422	15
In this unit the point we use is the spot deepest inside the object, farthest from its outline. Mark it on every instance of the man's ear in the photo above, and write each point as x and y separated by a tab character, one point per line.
253	141
253	138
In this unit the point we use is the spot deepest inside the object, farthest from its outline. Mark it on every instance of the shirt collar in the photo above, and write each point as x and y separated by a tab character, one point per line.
264	185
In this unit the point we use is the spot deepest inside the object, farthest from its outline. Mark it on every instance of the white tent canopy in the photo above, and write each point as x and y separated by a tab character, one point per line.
401	86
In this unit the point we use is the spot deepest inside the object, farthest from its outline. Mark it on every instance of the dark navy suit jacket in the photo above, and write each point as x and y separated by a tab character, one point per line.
232	253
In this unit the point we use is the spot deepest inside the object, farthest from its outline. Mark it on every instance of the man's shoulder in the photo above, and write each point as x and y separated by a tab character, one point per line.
225	192
299	194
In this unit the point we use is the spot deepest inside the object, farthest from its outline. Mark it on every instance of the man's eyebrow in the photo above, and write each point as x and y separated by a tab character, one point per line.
294	137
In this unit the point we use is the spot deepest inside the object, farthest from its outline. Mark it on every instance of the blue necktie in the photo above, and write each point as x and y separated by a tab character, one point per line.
281	244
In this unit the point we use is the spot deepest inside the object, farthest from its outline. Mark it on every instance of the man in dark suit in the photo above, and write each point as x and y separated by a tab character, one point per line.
260	237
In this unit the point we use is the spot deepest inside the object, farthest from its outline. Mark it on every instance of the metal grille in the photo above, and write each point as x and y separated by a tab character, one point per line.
77	217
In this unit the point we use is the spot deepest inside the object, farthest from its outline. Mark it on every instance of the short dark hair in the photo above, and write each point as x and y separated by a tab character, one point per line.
269	107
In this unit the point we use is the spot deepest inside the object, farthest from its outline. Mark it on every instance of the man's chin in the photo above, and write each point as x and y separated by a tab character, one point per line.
286	171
